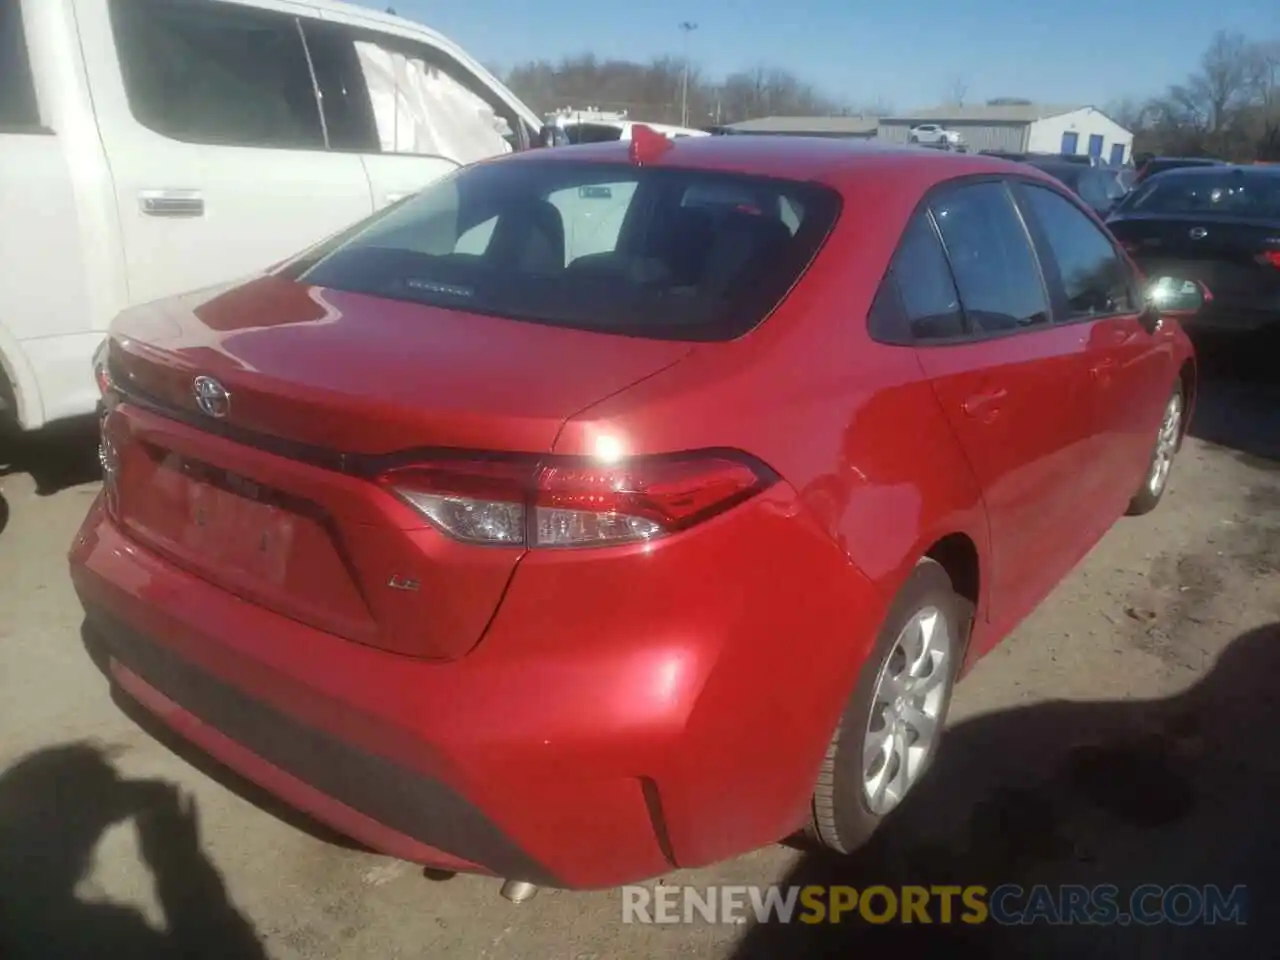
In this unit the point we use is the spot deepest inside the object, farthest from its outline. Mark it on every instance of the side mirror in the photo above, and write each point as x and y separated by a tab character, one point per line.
1172	297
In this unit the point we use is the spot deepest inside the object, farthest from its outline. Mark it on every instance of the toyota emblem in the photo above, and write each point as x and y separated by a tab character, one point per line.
1199	233
211	397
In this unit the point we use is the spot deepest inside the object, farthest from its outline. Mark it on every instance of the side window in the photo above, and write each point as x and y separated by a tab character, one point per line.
18	112
427	104
1095	279
344	94
992	258
217	73
925	288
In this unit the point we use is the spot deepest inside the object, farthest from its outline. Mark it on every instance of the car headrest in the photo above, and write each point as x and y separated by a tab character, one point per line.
528	237
741	242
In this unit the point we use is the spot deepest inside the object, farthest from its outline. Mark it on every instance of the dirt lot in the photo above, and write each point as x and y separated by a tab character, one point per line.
1123	735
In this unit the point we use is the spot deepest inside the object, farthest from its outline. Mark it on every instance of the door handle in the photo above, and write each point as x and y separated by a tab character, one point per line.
171	203
1103	367
984	404
397	197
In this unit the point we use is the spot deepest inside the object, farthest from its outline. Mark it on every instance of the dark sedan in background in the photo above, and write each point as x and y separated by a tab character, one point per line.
1153	165
1099	187
1219	225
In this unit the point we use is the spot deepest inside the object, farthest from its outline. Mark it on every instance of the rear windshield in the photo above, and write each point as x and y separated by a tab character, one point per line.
654	252
1233	192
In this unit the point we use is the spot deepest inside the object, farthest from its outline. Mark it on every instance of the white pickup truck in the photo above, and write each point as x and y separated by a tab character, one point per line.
934	134
151	147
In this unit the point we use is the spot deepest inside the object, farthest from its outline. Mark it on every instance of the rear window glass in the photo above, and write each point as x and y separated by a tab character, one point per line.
592	132
655	252
1235	192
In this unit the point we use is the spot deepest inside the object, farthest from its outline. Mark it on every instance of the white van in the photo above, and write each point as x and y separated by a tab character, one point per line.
148	147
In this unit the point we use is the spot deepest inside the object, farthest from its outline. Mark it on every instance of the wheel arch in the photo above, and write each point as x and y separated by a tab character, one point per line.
18	383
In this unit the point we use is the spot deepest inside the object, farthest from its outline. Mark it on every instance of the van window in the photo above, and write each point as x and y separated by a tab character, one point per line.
217	73
18	111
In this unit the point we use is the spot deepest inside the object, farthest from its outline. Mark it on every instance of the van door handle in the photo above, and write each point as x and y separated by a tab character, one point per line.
171	203
396	197
1103	367
984	405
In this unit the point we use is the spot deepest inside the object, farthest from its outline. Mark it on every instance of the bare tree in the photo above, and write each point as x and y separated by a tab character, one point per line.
653	91
1264	80
1226	108
957	90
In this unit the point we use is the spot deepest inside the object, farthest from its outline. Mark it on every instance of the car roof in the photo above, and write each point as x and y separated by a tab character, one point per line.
1191	161
1051	163
822	159
1219	169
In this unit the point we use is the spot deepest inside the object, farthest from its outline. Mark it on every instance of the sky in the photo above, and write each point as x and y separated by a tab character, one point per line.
906	53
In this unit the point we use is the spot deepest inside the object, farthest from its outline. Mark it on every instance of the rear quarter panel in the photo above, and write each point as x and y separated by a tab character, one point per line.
852	426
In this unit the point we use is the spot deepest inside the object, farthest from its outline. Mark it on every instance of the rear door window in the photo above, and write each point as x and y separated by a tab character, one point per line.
1095	280
18	109
344	93
991	258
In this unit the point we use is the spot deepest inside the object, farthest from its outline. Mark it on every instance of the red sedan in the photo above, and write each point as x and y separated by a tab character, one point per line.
622	507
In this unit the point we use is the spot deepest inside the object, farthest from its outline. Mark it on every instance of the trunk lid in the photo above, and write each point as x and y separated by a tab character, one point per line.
1220	252
274	502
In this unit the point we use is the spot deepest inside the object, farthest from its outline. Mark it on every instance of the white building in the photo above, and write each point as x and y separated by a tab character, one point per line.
1023	128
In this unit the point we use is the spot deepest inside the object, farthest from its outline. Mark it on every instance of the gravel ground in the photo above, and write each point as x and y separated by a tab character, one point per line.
1122	735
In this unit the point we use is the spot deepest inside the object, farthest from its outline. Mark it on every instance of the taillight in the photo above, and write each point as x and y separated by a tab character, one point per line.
575	502
1269	258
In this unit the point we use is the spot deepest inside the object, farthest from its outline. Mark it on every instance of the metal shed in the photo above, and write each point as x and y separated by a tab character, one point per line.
1022	127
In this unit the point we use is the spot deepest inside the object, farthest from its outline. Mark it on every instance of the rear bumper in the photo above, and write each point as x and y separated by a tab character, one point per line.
556	752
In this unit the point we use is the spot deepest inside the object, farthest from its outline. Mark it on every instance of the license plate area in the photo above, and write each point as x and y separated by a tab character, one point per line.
211	517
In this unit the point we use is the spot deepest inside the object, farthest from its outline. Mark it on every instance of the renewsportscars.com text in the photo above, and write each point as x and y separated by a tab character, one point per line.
1009	904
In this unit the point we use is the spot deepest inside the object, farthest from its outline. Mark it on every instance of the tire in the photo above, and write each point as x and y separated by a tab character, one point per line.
8	407
1168	442
913	139
846	809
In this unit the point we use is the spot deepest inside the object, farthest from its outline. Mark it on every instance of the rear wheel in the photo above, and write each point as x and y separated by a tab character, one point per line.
892	724
1168	440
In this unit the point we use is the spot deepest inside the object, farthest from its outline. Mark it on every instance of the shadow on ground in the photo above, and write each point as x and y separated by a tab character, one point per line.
1238	405
194	757
60	456
55	805
1179	791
